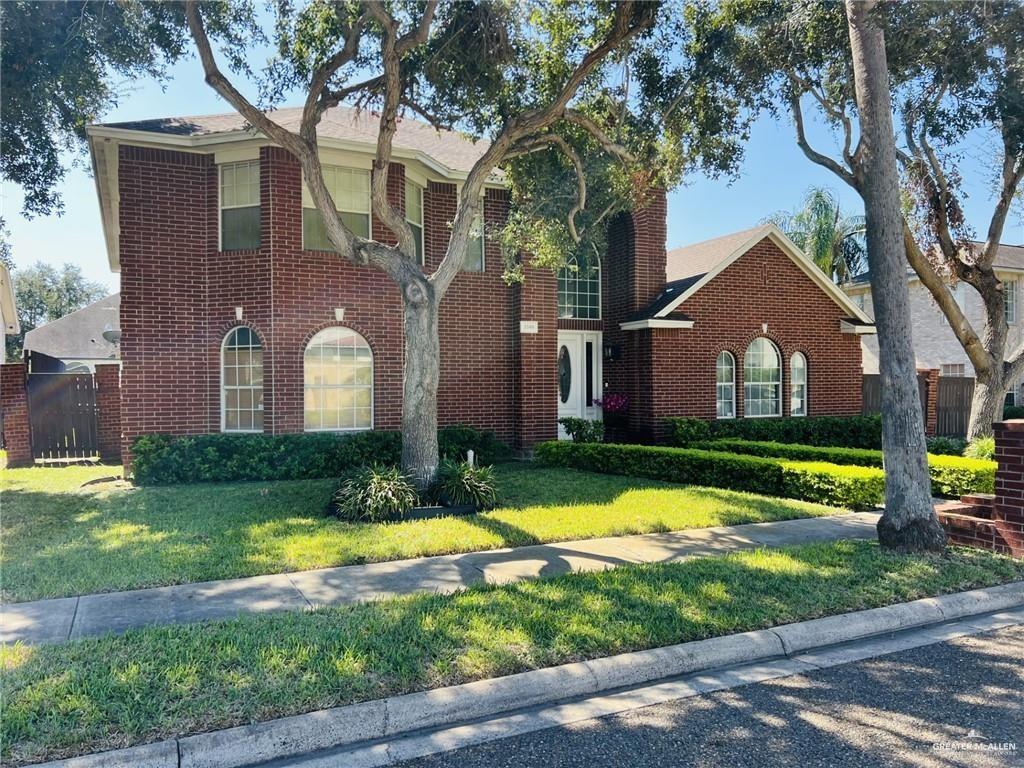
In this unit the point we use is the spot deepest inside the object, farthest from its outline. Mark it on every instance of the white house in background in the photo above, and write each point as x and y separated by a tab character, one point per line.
8	310
935	345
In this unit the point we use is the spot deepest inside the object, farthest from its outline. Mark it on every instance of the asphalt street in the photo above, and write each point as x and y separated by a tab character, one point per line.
957	703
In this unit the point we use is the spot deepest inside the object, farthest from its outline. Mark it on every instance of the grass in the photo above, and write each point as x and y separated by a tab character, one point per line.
62	539
158	682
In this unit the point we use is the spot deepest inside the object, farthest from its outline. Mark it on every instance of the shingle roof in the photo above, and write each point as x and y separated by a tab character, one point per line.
701	258
1007	257
451	148
671	291
80	334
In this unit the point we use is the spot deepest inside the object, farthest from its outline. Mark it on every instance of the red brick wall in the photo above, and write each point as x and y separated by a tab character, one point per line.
108	411
179	295
14	409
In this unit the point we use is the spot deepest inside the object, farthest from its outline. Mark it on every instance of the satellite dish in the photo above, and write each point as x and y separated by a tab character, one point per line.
111	334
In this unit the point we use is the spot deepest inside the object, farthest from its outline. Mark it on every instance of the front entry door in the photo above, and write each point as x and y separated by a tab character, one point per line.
579	375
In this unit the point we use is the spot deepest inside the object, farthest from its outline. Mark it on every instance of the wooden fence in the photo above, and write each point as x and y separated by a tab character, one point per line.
952	401
62	415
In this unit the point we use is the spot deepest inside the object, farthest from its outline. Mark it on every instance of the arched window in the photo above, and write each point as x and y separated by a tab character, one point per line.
242	381
338	378
725	386
579	289
798	385
762	379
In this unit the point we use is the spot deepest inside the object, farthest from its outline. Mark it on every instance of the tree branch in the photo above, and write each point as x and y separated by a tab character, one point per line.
813	155
1012	175
609	146
541	142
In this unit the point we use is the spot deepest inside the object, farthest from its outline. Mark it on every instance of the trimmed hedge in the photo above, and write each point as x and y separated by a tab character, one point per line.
845	431
853	487
951	475
163	459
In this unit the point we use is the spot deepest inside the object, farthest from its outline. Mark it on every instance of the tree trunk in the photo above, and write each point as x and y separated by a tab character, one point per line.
422	373
908	522
986	403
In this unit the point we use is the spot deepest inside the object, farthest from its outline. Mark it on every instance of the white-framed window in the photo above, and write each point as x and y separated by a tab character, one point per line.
762	379
350	189
1010	301
475	258
798	385
859	300
579	289
725	386
1012	395
338	381
239	206
952	369
241	381
414	215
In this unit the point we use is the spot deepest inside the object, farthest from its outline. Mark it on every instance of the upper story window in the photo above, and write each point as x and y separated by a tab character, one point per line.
959	292
1010	301
240	206
579	289
798	385
242	381
350	189
762	379
414	215
475	247
952	369
725	386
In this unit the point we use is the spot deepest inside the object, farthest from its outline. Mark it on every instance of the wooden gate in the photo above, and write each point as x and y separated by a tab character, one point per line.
953	405
871	393
62	415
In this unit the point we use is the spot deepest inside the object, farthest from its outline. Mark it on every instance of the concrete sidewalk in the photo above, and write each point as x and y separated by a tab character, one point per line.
69	618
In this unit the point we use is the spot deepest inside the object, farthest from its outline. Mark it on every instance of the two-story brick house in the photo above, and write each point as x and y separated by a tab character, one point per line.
237	316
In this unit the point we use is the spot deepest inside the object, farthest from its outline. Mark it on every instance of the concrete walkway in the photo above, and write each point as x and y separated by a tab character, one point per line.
70	618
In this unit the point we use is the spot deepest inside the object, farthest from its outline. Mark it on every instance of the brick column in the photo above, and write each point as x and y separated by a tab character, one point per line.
931	404
536	363
108	411
14	407
1008	508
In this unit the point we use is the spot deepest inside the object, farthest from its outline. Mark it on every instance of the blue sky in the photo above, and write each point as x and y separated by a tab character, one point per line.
774	177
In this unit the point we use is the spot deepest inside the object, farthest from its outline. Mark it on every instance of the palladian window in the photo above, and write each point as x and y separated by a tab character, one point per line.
338	378
579	289
762	379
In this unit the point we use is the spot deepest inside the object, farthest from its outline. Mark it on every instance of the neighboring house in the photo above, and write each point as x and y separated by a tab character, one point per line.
76	342
935	344
237	317
8	310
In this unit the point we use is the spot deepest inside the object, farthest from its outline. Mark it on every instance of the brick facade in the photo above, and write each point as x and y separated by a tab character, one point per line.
180	296
108	411
14	408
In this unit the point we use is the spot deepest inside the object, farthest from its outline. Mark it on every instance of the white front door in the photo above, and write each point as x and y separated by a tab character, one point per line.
579	375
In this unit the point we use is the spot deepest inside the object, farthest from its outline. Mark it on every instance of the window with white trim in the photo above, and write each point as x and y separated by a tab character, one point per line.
798	385
579	289
475	247
1010	301
240	206
414	215
725	386
350	189
952	369
762	379
1012	395
338	381
242	381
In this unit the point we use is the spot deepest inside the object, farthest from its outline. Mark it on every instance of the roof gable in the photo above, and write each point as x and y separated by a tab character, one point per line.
80	334
723	251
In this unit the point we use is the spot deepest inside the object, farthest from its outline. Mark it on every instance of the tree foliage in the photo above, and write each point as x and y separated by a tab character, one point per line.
819	228
44	293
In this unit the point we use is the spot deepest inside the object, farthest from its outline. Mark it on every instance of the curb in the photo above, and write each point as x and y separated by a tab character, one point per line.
298	735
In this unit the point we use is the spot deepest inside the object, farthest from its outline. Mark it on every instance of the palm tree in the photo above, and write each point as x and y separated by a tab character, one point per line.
833	241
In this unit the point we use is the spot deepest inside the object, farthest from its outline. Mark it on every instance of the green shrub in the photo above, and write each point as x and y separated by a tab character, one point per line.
459	483
162	459
844	431
946	446
688	431
981	448
951	475
1013	412
853	487
583	430
375	495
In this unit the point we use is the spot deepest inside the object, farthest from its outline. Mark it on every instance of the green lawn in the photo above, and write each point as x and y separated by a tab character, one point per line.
153	683
62	539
